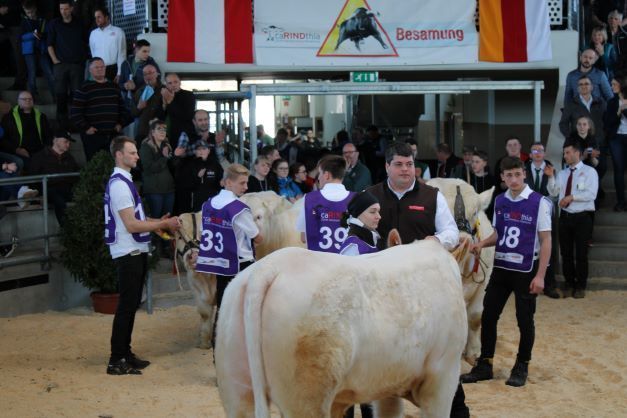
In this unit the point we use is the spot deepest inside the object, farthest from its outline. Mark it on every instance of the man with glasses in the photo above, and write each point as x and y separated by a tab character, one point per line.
600	83
583	104
357	177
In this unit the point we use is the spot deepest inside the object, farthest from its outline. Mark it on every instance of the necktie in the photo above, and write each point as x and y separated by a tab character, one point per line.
536	184
569	183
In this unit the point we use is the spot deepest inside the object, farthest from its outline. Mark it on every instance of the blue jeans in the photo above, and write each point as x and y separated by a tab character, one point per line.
618	148
9	191
159	204
46	68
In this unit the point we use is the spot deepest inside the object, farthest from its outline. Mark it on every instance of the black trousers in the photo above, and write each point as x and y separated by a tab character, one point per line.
131	271
551	269
94	143
575	230
502	284
59	197
68	77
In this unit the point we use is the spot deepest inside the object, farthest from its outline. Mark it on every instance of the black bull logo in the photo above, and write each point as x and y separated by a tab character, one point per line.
358	27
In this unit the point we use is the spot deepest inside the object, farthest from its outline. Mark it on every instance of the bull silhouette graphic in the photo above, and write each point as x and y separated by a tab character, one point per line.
358	27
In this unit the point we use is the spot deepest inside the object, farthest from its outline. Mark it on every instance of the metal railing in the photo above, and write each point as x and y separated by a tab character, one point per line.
46	235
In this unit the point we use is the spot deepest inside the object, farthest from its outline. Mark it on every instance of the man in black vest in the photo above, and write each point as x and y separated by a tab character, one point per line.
537	178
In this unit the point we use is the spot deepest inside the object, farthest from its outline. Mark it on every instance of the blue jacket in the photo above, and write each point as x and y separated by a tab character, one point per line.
288	189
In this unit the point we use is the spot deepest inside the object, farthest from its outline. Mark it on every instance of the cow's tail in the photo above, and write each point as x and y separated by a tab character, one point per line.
258	285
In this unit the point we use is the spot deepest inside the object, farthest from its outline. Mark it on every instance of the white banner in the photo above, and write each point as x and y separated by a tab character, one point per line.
364	33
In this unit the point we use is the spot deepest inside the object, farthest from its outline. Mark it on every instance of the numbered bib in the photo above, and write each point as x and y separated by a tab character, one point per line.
322	222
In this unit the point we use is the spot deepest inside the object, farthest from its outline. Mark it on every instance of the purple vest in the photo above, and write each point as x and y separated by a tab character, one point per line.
218	245
517	231
362	247
110	236
323	230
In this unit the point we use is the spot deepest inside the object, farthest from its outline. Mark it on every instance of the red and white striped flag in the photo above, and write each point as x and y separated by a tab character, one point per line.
210	31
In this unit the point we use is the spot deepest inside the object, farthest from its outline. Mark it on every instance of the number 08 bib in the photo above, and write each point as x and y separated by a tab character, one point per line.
218	245
516	226
323	229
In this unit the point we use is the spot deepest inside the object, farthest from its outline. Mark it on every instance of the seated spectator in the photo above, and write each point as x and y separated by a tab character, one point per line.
357	177
298	173
132	76
421	169
35	49
56	159
449	165
147	100
287	188
178	108
480	179
260	181
14	191
605	50
158	187
26	129
203	173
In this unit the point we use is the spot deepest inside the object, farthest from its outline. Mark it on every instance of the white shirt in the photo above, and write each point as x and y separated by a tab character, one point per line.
334	192
244	225
584	187
544	212
109	44
121	198
353	249
445	226
535	173
586	103
622	128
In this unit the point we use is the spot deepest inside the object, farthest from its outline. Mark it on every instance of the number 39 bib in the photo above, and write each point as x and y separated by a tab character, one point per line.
323	229
516	226
218	245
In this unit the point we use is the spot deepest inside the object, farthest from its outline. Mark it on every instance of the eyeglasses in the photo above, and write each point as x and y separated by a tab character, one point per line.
282	168
160	129
26	99
537	151
348	152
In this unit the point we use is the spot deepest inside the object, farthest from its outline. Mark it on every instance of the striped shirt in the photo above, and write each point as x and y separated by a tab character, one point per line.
99	105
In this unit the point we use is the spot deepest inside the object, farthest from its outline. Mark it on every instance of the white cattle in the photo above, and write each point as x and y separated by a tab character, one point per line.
474	282
321	332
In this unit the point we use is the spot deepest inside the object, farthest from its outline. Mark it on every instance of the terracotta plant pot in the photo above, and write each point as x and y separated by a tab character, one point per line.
105	303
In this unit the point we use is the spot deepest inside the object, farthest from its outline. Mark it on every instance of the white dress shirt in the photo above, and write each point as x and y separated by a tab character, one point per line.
335	192
109	44
584	187
534	171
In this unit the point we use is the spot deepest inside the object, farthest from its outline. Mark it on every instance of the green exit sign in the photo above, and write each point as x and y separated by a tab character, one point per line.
364	76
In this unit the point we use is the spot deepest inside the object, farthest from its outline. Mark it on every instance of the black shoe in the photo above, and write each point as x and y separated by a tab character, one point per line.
482	370
136	362
579	293
518	377
551	293
567	290
121	367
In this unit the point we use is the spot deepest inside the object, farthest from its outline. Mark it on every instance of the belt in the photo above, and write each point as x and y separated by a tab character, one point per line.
564	214
134	253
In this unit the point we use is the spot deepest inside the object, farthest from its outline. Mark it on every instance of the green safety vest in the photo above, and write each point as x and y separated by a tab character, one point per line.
18	122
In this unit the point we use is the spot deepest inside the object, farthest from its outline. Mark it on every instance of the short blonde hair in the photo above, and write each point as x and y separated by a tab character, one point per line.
601	31
233	171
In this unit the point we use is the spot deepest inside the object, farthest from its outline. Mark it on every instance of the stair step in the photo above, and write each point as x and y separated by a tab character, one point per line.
608	252
610	235
613	269
607	217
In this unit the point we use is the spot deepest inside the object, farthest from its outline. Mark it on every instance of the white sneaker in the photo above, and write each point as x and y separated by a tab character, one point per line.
26	193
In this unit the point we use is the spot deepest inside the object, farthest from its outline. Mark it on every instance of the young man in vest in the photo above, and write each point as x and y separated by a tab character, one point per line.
319	221
127	232
522	236
228	231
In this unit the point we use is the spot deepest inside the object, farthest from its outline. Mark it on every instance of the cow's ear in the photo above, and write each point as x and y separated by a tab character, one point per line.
394	238
485	198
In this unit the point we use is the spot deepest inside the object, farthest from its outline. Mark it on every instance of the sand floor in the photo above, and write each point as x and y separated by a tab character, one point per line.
53	365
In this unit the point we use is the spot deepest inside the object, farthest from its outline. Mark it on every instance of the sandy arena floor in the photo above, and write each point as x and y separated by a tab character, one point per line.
53	365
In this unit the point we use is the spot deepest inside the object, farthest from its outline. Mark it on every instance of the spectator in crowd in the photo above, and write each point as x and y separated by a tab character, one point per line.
601	85
616	127
537	169
585	134
379	144
584	104
287	188
34	49
612	10
109	43
132	76
298	173
178	108
98	110
203	174
67	47
147	100
467	152
341	138
357	177
312	142
270	152
576	186
187	139
262	137
605	50
10	29
513	148
26	129
421	169
56	159
480	179
260	180
449	164
282	139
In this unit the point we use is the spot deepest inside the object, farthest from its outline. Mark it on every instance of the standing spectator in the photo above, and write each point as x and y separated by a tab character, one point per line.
56	159
67	46
605	50
98	110
298	173
576	186
357	177
187	139
585	135
260	180
537	178
287	188
421	169
10	30
263	137
34	49
449	164
480	179
132	76
26	129
601	85
147	100
178	108
584	104
204	174
109	43
468	152
616	127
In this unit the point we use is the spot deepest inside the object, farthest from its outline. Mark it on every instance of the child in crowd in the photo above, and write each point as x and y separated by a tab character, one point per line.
287	188
298	173
260	180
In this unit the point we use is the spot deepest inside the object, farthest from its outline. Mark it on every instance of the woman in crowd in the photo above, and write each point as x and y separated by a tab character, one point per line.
584	133
480	179
259	181
287	188
298	173
605	50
